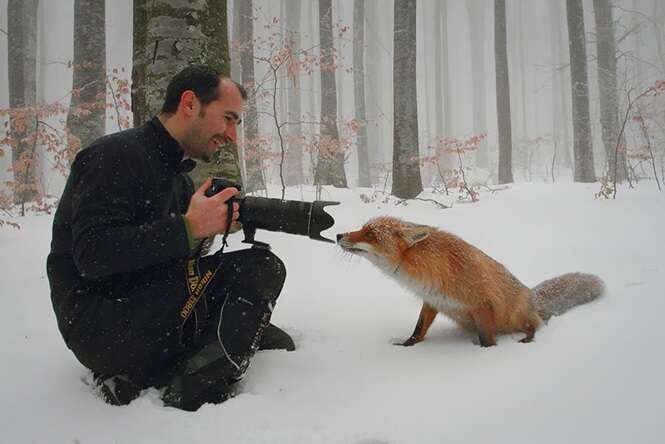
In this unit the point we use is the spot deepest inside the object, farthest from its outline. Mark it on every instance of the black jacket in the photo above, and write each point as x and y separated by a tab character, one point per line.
119	215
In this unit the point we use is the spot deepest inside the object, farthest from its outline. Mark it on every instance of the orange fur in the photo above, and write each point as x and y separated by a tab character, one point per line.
452	276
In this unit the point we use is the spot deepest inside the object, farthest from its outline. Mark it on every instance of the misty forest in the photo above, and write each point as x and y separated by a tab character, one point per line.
534	130
454	97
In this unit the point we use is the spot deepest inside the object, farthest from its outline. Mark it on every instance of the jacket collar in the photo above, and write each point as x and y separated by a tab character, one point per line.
169	148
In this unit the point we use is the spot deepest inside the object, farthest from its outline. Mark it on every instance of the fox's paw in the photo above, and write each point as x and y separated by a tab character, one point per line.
409	342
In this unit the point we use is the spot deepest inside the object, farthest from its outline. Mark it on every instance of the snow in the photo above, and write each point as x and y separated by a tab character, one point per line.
592	375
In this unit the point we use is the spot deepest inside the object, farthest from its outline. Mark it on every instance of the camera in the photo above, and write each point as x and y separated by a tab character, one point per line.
288	216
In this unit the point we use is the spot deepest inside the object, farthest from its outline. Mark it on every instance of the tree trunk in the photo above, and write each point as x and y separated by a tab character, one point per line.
476	10
557	23
374	53
294	159
359	91
524	147
445	69
502	93
22	76
607	86
330	166
406	167
582	144
235	39
86	120
169	35
253	163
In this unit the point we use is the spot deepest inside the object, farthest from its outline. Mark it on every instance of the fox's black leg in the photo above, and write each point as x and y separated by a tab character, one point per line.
485	324
427	315
530	330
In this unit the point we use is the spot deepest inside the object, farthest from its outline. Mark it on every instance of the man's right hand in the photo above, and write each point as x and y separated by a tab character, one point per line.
207	216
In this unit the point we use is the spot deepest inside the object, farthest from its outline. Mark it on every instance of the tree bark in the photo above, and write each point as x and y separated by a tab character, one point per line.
407	183
582	143
374	88
86	120
476	11
502	93
607	86
330	165
359	91
254	170
169	35
22	76
294	154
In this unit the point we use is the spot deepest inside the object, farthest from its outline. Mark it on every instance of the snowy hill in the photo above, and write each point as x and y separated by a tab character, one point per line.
592	375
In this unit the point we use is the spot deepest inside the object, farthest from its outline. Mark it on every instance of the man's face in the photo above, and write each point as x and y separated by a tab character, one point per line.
215	124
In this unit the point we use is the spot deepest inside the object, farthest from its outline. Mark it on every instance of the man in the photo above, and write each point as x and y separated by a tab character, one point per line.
132	302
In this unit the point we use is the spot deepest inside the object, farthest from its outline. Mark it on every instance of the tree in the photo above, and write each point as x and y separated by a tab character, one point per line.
406	168
502	93
22	69
330	165
364	179
582	143
375	89
168	35
254	172
607	86
87	118
294	161
560	97
476	12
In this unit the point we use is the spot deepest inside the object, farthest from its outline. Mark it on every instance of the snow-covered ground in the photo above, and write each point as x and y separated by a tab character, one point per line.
592	375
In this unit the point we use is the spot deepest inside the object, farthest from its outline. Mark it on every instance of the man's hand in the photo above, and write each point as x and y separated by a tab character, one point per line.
208	215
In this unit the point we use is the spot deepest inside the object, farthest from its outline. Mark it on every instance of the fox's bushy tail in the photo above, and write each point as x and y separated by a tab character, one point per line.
556	296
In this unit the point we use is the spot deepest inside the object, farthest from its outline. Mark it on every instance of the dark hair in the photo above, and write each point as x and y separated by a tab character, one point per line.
202	79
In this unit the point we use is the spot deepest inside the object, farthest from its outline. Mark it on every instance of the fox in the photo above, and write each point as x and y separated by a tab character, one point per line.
455	278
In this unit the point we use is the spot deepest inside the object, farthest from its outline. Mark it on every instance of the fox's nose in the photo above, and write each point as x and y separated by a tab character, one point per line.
340	236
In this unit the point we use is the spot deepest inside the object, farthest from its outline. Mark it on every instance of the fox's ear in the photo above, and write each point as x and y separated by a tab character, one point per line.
416	233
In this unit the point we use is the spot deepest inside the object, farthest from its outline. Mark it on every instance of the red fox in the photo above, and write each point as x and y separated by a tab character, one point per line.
457	279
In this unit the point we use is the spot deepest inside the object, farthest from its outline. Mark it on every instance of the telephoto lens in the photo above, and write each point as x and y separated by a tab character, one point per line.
288	216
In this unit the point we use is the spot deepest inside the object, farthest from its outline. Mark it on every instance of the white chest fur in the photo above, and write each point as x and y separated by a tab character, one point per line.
432	296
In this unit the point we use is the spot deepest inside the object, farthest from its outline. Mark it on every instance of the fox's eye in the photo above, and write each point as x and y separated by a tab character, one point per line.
369	234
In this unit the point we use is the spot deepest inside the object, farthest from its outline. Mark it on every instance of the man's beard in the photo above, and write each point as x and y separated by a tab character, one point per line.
197	146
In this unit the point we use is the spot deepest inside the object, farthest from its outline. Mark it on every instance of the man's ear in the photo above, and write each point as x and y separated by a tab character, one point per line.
189	103
416	233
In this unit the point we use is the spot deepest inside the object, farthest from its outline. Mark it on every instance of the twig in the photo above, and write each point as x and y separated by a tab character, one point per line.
115	104
645	133
401	201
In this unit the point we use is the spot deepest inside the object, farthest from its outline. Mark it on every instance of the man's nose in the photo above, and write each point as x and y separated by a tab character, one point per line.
231	132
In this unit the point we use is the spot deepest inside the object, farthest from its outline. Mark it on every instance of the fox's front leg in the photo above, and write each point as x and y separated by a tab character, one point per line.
485	320
427	315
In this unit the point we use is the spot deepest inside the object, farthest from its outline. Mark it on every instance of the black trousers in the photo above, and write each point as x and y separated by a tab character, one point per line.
161	333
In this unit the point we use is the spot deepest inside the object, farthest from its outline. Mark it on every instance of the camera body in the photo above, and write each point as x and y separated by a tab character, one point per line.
288	216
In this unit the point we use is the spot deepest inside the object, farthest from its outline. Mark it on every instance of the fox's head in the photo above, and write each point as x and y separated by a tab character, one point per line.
383	240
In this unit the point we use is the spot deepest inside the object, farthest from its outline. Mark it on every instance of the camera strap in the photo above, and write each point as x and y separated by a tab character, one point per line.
197	284
229	221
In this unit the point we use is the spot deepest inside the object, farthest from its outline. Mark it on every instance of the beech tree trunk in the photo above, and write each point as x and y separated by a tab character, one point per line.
22	76
294	154
407	183
477	23
169	35
330	165
582	142
359	91
502	93
86	120
608	88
